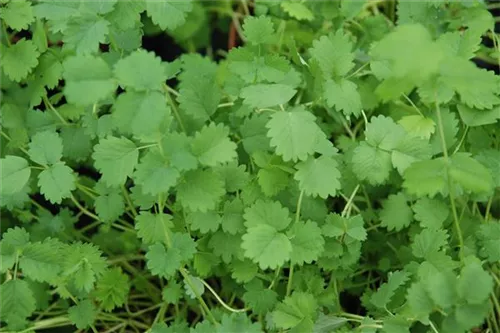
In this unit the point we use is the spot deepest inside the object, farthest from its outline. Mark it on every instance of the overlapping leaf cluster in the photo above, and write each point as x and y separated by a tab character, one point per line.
338	150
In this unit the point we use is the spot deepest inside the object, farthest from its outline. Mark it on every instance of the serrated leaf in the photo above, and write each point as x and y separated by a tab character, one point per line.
155	174
57	182
318	177
258	30
115	158
294	134
15	174
141	70
266	246
17	301
212	145
45	148
84	34
18	60
267	95
396	214
152	228
307	242
168	14
385	292
83	314
201	190
87	74
140	113
18	14
333	53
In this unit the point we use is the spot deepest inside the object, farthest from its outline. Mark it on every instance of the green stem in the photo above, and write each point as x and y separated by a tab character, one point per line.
171	101
53	109
4	30
129	201
349	202
289	283
299	206
217	297
203	305
413	104
84	210
450	185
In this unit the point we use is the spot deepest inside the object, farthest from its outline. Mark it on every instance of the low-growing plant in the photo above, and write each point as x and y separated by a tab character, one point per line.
335	168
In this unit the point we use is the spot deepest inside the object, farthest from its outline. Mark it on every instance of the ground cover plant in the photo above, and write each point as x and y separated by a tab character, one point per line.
250	166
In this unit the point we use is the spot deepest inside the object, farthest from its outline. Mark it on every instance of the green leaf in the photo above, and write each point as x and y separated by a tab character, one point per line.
396	324
421	305
83	314
200	191
87	74
141	71
57	182
212	146
333	54
82	265
441	287
45	148
338	226
474	117
14	240
267	95
17	301
318	177
371	164
140	113
431	213
429	241
152	228
307	242
112	289
234	175
199	96
260	299
294	134
18	14
162	262
115	158
172	292
109	205
429	177
232	217
41	260
395	213
18	60
84	34
77	145
408	151
297	311
237	322
258	30
385	292
267	213
204	222
344	96
489	240
325	324
266	246
297	10
15	174
168	14
474	284
155	174
418	126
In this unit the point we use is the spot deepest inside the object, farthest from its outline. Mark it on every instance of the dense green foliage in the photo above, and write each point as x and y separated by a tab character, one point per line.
338	171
